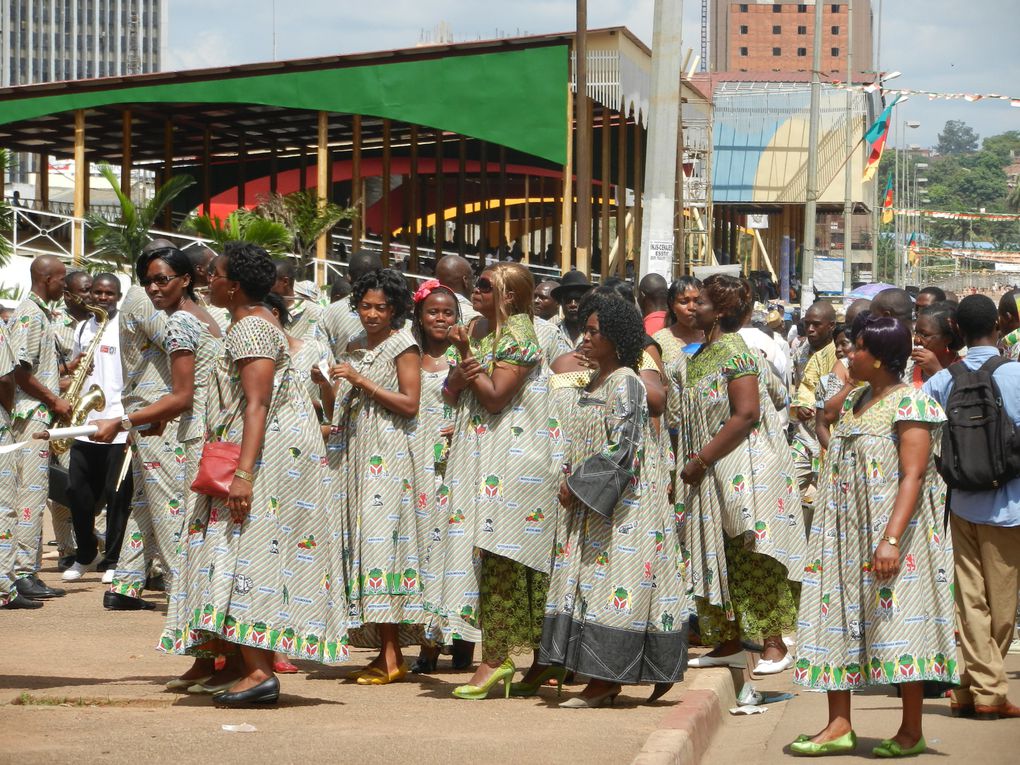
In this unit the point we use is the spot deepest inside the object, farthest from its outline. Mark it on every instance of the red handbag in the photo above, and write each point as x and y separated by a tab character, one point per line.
216	469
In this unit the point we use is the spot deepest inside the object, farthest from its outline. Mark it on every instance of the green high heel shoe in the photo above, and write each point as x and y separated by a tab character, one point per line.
845	743
889	748
504	672
523	690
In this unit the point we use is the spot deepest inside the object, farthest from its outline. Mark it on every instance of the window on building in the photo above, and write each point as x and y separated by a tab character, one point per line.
802	8
777	8
777	30
835	7
835	30
801	52
802	30
834	52
743	51
777	51
743	29
743	7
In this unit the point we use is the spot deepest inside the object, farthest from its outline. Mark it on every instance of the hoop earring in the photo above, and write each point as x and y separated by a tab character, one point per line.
877	364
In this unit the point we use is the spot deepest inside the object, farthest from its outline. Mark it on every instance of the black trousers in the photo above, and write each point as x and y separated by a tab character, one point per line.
92	482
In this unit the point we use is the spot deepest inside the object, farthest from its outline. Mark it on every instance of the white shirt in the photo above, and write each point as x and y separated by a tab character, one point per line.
107	372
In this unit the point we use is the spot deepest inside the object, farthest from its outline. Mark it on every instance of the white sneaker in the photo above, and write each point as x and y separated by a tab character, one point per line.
108	576
75	572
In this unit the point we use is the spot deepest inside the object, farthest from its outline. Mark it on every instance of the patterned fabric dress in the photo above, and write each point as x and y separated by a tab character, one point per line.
499	499
672	346
267	583
386	502
65	327
742	528
159	533
312	351
8	486
618	605
430	449
33	336
854	630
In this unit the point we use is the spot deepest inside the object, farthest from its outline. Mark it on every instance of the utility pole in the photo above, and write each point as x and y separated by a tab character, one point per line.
657	232
876	182
848	202
582	142
807	290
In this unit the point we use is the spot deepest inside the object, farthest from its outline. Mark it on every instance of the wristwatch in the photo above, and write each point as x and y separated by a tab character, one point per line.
125	423
894	541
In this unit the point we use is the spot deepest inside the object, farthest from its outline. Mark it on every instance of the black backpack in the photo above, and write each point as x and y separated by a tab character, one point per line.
979	442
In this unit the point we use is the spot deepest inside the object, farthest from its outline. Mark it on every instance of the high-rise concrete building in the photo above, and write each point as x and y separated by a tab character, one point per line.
52	40
760	36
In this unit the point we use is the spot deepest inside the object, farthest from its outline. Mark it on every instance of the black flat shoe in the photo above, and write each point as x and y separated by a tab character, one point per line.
424	665
20	601
463	654
661	689
114	601
266	692
32	588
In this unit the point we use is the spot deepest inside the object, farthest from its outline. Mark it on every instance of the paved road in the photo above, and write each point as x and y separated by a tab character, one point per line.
94	686
876	715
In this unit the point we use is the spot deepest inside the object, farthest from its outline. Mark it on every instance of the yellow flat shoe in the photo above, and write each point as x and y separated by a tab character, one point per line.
378	677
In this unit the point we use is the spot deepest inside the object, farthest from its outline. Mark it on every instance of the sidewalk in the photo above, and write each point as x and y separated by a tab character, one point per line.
876	715
81	684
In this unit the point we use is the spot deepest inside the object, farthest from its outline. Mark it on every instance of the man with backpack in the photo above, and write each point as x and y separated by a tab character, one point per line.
980	462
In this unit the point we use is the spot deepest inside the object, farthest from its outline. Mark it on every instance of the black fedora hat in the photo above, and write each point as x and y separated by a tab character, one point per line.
572	280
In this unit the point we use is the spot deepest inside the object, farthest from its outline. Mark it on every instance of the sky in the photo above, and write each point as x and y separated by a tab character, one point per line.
940	45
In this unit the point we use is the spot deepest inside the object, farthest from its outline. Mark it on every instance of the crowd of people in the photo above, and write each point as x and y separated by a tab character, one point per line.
582	479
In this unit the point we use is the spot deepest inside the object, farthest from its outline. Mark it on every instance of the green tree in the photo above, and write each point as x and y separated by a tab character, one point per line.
306	220
6	214
119	244
242	226
957	137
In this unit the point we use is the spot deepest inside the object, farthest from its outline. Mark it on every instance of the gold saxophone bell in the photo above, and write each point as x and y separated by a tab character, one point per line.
93	399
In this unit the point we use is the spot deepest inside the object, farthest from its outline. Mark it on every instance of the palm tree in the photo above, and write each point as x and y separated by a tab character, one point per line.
241	226
303	216
119	244
1013	200
6	214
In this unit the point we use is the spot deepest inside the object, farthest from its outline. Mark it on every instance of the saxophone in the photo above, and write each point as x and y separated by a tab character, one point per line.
92	400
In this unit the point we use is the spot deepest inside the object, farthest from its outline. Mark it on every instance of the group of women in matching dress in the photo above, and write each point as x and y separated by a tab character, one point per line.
444	482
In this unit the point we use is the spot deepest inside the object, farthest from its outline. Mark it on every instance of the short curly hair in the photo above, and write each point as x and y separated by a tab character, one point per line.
619	322
732	299
251	267
392	285
274	302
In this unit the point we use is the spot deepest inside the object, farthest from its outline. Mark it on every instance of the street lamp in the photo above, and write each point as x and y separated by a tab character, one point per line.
902	189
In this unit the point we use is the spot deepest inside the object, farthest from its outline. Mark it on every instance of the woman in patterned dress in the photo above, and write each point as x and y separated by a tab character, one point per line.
681	332
192	342
384	517
435	310
737	502
937	341
501	481
617	592
876	606
257	565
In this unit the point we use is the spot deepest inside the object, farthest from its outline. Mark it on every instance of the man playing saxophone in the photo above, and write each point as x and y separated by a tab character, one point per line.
95	468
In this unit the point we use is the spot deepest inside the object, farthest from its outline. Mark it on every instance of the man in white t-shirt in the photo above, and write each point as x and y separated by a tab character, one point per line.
95	468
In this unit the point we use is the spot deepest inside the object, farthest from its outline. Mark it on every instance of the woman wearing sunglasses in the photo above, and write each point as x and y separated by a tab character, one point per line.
191	341
499	493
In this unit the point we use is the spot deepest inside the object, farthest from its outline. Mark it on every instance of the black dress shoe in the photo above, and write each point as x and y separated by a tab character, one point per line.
266	692
20	601
65	562
463	653
114	601
32	588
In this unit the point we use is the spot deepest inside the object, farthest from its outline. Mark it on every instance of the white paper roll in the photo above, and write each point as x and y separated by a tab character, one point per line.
82	430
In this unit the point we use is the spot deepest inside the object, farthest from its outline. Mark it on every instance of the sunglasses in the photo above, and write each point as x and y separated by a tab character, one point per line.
161	280
483	285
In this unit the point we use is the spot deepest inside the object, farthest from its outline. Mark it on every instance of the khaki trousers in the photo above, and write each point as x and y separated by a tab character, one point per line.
986	559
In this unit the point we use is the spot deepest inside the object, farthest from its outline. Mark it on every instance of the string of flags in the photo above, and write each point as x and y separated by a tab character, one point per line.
946	215
931	95
970	254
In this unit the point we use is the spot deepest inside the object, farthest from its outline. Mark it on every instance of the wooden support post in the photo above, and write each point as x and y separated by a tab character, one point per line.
567	199
413	202
439	201
621	194
43	181
81	179
358	225
557	226
206	178
386	225
242	171
274	167
542	207
584	141
639	185
461	171
504	211
604	193
303	168
484	180
526	228
168	168
125	152
322	194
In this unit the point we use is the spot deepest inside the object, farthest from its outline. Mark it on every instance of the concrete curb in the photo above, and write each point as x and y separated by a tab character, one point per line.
686	731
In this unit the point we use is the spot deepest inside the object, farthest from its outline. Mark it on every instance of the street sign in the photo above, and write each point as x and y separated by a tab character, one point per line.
757	221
